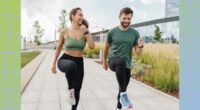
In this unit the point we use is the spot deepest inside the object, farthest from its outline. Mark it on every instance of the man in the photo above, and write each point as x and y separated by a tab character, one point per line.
120	42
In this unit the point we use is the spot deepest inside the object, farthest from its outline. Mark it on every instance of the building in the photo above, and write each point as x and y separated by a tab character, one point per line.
169	26
172	8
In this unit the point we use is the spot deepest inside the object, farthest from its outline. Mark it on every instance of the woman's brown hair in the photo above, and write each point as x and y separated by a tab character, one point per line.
85	22
73	12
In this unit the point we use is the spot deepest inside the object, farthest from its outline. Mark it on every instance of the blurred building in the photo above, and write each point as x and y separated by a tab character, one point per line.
171	8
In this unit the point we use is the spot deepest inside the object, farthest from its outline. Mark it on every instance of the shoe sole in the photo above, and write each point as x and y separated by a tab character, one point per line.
70	102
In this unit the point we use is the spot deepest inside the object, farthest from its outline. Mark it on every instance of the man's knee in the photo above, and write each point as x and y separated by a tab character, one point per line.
120	62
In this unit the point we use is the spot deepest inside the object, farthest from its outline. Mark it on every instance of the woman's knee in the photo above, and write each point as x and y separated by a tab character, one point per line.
67	65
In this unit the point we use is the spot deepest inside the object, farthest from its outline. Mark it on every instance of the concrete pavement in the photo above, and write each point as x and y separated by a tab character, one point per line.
47	91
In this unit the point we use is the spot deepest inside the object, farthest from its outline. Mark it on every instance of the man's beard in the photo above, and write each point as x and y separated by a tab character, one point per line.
125	24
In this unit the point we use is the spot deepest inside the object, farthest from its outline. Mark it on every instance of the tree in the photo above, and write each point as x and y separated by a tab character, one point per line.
62	20
38	32
157	34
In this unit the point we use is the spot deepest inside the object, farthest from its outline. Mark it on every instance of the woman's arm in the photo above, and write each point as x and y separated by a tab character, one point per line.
88	36
90	41
58	49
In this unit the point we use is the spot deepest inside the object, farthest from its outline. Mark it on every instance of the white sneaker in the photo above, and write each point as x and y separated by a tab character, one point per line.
71	99
125	102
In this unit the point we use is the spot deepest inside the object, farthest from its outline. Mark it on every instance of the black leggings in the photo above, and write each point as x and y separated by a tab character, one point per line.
118	65
74	71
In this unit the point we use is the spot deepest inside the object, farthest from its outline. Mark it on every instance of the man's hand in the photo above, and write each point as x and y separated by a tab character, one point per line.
139	46
140	42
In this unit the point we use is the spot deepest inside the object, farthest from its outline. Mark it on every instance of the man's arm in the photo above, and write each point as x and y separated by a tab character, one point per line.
139	47
138	50
106	48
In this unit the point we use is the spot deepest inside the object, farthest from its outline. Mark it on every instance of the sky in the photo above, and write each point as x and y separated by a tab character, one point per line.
100	13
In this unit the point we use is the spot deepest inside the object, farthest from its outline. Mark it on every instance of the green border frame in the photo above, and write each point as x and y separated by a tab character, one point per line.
10	54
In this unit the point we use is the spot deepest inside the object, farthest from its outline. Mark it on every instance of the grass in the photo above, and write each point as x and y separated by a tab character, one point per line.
92	53
26	57
164	62
159	65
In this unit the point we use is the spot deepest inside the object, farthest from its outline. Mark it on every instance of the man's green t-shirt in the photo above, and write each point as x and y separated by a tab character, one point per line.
122	43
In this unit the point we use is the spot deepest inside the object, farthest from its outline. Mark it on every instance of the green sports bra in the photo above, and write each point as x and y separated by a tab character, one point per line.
73	44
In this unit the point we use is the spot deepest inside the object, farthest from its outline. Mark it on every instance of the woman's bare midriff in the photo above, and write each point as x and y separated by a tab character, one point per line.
74	53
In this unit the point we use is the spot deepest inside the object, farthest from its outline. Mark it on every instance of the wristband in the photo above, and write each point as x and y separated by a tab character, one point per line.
141	46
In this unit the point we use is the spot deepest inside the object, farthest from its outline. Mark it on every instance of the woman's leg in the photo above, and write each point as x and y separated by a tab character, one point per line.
78	84
69	67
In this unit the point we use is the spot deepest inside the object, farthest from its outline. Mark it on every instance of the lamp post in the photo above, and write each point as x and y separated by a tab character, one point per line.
101	35
101	45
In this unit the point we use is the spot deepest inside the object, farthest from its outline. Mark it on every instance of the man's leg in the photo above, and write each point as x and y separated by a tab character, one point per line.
122	75
128	74
118	65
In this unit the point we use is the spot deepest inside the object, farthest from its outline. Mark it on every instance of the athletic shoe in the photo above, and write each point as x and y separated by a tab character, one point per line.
71	99
124	100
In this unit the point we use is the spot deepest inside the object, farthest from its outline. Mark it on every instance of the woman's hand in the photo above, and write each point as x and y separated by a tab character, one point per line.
53	69
105	65
84	28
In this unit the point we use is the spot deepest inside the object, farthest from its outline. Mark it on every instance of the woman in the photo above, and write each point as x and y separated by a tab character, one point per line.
74	40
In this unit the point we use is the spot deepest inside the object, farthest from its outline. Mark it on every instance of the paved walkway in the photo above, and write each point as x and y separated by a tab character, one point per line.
47	91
